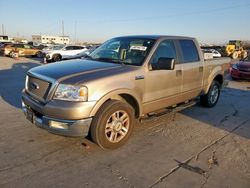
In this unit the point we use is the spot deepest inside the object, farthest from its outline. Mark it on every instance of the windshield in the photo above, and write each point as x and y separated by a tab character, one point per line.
127	50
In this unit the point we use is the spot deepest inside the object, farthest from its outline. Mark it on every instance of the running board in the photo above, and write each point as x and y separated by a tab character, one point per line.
174	108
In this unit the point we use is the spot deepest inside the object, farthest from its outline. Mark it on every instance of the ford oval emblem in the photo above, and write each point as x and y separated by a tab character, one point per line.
34	86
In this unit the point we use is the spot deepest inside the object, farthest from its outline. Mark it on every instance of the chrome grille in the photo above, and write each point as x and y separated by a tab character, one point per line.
38	87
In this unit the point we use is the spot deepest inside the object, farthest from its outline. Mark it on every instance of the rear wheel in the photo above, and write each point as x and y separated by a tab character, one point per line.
56	57
113	124
244	54
211	98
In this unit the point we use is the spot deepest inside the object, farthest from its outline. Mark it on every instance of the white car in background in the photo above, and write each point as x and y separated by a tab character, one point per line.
64	52
50	48
213	51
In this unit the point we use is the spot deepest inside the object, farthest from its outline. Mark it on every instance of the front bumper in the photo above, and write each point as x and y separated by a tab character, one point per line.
59	117
57	126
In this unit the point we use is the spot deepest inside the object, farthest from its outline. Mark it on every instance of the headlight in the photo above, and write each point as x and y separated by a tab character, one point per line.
235	67
71	93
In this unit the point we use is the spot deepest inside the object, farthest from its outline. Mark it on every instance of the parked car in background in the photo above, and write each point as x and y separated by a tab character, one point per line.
241	70
2	44
45	50
89	51
65	52
214	52
21	50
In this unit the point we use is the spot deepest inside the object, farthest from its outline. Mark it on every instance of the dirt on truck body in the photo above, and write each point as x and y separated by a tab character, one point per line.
124	79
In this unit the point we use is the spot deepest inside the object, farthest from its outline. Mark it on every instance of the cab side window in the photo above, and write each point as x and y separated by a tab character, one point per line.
165	49
69	48
189	51
27	46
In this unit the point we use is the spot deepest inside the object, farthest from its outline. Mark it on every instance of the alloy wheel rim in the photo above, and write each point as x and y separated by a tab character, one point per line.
214	94
117	126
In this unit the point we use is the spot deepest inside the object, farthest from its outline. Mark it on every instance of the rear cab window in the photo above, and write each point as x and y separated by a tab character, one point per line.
189	51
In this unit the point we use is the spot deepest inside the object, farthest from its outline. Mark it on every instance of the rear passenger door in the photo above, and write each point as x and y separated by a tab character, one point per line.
192	66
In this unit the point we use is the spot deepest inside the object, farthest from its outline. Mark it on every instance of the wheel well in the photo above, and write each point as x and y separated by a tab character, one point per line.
130	100
219	79
57	54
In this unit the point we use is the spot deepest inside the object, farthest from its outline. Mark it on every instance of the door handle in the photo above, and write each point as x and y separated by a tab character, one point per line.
200	69
178	72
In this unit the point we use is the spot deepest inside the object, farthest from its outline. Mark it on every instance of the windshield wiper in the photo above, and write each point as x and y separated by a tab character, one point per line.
87	57
105	59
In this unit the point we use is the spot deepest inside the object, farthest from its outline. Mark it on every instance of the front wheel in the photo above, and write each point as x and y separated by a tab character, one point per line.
56	58
112	125
39	54
12	54
211	98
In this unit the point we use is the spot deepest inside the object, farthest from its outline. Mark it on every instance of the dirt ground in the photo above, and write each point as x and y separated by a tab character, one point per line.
197	147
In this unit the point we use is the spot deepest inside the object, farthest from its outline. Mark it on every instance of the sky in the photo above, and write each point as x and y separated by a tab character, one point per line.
213	21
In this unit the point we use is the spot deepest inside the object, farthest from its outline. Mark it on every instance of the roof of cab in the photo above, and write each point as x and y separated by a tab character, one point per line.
156	37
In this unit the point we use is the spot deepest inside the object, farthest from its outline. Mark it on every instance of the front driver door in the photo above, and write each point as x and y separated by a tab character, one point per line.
162	85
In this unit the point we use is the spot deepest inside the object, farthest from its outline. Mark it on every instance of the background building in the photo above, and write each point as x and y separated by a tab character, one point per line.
45	39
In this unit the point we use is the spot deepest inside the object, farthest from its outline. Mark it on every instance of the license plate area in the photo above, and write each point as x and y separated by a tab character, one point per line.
30	115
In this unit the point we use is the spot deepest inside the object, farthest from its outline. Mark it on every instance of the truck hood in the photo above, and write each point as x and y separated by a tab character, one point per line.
65	70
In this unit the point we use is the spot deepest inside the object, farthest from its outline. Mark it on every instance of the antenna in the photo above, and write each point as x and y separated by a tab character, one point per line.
63	31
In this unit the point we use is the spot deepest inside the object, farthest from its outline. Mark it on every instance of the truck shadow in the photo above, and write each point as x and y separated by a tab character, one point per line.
12	82
230	114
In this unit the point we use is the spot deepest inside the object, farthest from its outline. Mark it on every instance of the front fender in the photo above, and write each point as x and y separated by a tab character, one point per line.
112	94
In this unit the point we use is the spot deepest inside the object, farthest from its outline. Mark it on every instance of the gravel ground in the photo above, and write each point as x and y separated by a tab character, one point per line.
197	147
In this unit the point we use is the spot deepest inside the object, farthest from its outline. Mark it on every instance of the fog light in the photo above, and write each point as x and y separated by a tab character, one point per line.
58	125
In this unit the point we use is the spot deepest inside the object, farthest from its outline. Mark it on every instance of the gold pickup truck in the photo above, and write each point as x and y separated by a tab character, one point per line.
124	79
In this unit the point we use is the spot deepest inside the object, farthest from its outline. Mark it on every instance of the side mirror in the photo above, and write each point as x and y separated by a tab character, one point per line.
165	63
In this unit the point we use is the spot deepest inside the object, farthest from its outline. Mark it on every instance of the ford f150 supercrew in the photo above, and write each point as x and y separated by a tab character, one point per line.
124	79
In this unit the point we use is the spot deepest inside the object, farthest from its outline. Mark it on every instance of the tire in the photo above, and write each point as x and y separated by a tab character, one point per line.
211	98
56	58
244	54
11	54
235	55
108	129
39	54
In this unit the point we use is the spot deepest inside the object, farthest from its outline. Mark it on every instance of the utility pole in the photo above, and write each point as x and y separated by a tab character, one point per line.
75	32
3	29
63	31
